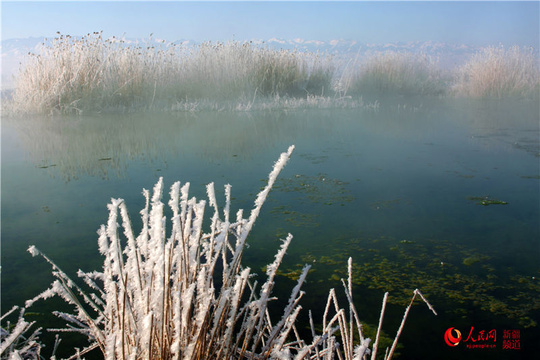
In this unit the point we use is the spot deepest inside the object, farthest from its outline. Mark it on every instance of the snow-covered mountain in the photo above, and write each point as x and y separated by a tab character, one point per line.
341	45
449	55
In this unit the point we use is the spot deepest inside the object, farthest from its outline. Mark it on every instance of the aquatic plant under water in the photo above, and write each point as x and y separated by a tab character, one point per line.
456	276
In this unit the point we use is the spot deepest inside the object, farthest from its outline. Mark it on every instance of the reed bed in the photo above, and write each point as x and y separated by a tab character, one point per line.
93	74
185	295
393	72
96	74
499	72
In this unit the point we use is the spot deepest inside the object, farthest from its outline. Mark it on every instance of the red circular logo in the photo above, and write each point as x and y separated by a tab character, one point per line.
452	336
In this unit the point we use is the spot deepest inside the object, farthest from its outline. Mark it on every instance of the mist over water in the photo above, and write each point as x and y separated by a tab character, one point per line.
93	74
400	186
416	155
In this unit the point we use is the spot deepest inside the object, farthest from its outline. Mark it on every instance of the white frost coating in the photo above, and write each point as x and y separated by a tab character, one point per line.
156	297
19	329
284	354
33	250
183	201
146	335
239	215
227	207
175	197
49	293
126	224
239	286
211	196
113	215
362	349
103	241
16	355
425	300
261	197
187	303
111	346
285	329
272	268
158	189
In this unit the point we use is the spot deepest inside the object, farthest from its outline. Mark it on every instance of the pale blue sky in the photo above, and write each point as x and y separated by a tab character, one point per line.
475	23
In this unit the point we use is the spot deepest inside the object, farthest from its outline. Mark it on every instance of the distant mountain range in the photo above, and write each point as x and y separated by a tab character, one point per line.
13	51
351	46
449	54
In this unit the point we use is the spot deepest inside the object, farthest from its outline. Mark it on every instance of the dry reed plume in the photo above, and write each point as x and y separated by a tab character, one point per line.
186	295
394	73
96	74
93	74
496	72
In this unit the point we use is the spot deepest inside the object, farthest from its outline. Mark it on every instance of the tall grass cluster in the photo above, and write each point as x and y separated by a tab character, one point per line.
93	73
394	73
96	74
177	292
496	72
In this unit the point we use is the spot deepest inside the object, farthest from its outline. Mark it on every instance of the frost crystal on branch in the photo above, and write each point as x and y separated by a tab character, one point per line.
157	298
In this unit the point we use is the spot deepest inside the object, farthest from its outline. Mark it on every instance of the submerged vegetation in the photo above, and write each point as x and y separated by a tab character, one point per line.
486	200
456	277
93	74
186	295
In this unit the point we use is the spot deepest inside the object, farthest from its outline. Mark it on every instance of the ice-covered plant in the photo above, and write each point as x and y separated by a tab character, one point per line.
499	72
159	296
393	72
177	292
91	73
14	343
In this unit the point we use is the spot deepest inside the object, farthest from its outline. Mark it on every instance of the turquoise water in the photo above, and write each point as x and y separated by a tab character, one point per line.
400	190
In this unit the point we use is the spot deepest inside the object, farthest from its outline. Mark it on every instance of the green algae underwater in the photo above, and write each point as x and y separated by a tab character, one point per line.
453	273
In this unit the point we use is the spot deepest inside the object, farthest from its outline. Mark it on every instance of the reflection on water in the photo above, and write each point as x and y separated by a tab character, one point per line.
104	145
391	188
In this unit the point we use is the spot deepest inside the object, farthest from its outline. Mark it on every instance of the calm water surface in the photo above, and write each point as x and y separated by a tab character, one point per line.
399	189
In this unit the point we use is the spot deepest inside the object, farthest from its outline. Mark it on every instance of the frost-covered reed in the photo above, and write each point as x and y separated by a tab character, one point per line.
96	74
15	343
391	72
176	292
499	72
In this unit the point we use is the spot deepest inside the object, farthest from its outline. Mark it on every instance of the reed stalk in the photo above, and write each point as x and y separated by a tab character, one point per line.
499	72
94	74
91	73
157	296
392	72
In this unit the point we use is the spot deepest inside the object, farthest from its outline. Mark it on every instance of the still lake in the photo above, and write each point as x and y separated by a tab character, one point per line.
441	195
